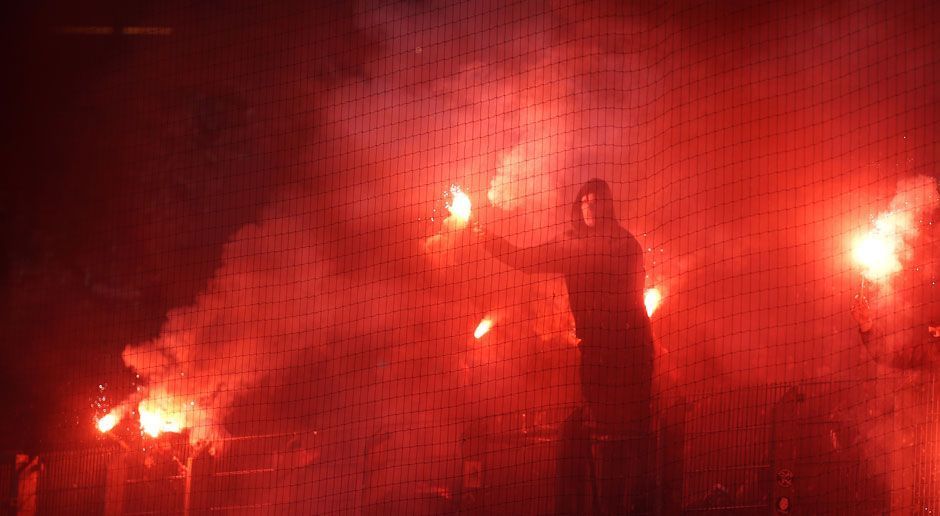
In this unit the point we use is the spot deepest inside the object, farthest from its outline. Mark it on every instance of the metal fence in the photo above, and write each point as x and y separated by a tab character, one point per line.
167	477
772	449
926	474
8	484
74	482
793	448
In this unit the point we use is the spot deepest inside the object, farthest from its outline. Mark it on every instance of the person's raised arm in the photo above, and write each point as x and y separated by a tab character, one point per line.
546	258
873	340
914	355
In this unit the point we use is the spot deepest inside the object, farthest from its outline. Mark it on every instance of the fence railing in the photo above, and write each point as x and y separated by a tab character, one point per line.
743	451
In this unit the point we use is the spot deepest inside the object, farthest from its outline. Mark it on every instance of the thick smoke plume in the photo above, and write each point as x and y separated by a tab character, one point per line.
908	302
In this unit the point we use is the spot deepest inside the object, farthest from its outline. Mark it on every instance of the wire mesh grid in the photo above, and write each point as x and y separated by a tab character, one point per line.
370	219
746	449
926	477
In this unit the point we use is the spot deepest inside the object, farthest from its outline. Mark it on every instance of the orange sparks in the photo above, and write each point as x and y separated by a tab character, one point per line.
109	421
483	328
652	298
460	205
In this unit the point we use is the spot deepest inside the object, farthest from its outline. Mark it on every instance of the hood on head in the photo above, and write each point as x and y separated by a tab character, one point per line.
605	206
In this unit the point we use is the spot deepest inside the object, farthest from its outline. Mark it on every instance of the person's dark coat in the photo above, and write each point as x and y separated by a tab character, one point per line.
604	274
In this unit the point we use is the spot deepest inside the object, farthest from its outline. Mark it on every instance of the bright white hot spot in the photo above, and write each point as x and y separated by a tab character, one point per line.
483	328
652	298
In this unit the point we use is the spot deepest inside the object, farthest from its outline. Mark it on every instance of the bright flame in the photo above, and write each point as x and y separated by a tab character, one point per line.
460	205
877	251
156	419
877	255
652	298
483	328
109	421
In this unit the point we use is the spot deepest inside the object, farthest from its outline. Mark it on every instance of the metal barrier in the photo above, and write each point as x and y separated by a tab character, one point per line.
8	483
780	449
773	449
926	476
168	478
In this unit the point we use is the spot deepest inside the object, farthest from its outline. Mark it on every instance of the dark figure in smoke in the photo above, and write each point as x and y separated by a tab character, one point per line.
902	331
909	337
899	325
602	264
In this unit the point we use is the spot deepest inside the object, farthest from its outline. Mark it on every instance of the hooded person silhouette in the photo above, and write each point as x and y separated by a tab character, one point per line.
602	265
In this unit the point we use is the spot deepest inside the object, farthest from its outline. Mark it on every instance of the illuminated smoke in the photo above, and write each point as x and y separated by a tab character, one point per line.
883	249
524	178
688	130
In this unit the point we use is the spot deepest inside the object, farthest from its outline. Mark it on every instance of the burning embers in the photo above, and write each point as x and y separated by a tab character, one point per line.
156	415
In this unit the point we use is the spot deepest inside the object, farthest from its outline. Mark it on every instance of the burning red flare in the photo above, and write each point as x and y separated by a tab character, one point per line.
483	328
108	421
157	414
157	418
652	298
459	206
877	251
877	255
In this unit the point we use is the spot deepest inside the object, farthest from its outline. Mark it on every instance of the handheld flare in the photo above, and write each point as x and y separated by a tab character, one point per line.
108	421
652	298
459	205
483	328
877	251
157	418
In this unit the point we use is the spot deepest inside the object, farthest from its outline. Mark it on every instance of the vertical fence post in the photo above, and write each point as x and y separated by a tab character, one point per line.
188	486
115	480
27	481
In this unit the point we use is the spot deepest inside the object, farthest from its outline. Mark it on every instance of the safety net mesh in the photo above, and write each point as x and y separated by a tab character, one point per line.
351	258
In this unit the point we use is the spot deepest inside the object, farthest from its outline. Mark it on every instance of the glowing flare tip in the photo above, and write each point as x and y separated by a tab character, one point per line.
460	205
652	298
155	421
877	252
483	328
107	422
877	255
